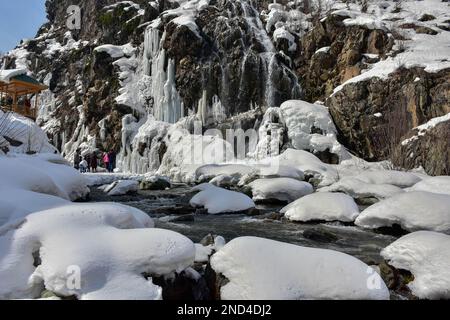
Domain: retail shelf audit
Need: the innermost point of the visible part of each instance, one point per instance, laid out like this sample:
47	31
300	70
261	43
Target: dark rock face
231	60
409	98
431	151
322	71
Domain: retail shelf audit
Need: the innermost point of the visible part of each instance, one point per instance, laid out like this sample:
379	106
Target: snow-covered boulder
306	162
325	206
17	203
280	171
304	121
397	178
439	184
279	189
217	200
413	211
109	247
155	183
362	190
121	187
262	269
43	173
27	133
213	170
426	255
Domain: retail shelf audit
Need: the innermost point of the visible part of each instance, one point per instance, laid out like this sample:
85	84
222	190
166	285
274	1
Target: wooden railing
22	110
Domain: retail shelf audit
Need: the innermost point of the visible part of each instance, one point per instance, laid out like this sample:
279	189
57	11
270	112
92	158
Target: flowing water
166	205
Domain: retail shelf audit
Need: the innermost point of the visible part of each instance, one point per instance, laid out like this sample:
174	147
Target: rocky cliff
226	62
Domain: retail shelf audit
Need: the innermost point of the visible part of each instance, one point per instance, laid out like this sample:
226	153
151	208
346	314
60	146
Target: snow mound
121	187
323	206
21	129
360	190
307	163
413	211
397	178
113	246
214	170
310	127
281	189
261	269
217	200
43	173
426	255
267	171
439	184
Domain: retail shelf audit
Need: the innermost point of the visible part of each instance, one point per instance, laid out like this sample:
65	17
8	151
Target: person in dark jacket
94	162
112	161
77	159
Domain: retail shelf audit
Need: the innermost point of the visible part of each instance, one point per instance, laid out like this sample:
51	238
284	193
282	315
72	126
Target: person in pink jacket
106	160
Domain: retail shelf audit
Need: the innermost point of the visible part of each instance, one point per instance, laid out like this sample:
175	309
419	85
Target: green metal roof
27	79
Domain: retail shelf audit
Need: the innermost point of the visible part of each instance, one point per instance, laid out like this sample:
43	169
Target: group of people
90	162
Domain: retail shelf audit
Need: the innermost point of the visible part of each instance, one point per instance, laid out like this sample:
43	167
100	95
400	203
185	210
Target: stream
170	210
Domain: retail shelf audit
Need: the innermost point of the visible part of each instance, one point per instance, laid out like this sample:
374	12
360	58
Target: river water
164	206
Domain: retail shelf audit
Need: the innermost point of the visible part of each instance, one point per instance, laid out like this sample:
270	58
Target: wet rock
155	183
174	210
183	287
319	235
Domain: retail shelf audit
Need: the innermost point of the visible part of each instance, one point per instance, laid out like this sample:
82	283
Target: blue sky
19	19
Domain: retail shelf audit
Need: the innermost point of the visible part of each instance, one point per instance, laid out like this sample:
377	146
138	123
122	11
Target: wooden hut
17	90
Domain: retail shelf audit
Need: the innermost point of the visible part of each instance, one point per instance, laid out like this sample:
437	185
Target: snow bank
44	174
281	189
397	178
111	245
21	129
427	256
261	269
413	211
217	200
439	184
360	190
322	206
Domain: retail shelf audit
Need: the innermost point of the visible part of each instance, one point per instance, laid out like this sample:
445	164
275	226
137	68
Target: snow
112	245
217	200
440	184
22	129
307	163
413	211
6	75
117	51
301	117
43	173
426	255
262	269
324	206
359	189
281	189
121	187
430	52
397	178
214	170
